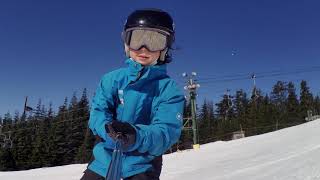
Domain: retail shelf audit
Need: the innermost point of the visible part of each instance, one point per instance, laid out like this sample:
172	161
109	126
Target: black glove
123	132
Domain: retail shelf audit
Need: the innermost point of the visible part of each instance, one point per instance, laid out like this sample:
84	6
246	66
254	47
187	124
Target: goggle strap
151	29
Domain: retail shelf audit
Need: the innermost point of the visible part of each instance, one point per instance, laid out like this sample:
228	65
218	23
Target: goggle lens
152	40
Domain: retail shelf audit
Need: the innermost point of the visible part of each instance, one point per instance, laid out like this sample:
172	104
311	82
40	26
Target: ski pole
115	167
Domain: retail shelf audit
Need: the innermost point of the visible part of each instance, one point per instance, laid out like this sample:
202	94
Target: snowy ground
288	154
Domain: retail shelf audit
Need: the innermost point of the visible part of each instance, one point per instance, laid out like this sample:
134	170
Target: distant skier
140	105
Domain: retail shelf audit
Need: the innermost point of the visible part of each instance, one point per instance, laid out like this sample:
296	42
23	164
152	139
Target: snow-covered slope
288	154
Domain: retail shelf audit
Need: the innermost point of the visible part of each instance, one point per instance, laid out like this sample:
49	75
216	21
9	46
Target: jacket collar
136	70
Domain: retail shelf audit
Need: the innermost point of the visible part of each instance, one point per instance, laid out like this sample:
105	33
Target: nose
143	49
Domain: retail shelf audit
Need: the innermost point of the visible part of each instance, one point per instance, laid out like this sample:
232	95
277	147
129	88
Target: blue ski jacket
150	100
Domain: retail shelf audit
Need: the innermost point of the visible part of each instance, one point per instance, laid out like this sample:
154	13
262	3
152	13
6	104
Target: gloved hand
123	132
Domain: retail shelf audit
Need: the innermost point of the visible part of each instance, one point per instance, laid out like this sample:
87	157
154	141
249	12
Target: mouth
143	56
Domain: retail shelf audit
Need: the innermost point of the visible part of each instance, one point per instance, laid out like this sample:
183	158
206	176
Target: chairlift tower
192	88
254	91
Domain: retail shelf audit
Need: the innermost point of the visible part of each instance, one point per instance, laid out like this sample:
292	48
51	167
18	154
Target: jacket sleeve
103	107
166	125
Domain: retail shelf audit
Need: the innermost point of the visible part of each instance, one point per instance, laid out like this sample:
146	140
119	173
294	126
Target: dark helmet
151	18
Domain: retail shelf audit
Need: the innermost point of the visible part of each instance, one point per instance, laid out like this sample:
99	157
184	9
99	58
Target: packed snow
288	154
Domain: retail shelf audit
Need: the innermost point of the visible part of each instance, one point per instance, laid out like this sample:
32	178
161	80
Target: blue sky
50	49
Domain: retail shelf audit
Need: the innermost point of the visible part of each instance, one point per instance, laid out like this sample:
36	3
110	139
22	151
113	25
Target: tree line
252	114
44	138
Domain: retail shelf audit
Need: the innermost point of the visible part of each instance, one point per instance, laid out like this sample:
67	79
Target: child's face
144	56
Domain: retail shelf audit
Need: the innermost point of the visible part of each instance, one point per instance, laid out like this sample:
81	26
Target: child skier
140	105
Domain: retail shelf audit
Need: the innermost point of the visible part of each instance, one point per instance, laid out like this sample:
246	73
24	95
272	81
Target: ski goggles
153	40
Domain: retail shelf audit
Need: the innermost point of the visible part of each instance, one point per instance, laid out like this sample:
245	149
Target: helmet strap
126	50
163	54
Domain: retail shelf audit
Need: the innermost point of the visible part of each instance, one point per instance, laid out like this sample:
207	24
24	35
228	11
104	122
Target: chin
143	62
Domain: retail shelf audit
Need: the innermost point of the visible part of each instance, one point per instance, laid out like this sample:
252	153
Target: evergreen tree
32	131
254	113
278	98
7	122
22	143
306	99
42	149
226	117
74	133
85	151
83	136
211	117
204	123
240	107
38	138
15	129
60	134
6	131
267	116
51	145
316	105
16	117
224	108
7	162
292	105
